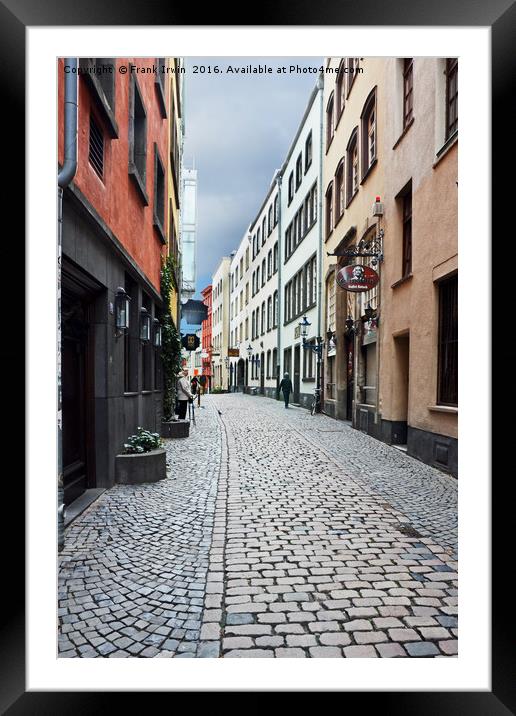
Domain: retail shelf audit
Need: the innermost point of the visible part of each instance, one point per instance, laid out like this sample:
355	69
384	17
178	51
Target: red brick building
113	236
206	336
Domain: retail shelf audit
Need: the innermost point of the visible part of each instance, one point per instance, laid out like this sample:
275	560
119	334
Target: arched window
339	191
268	364
275	309
340	89
263	319
269	313
329	209
352	166
263	273
368	119
330	126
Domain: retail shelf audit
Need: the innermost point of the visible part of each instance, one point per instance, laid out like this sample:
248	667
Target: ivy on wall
170	339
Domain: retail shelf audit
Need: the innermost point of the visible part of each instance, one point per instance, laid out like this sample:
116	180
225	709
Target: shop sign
234	352
357	278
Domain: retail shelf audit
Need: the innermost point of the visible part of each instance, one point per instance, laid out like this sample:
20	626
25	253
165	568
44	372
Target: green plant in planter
143	441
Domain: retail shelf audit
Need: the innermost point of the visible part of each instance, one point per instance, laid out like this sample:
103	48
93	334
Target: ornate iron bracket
372	247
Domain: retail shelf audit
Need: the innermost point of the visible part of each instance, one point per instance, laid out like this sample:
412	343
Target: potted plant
143	459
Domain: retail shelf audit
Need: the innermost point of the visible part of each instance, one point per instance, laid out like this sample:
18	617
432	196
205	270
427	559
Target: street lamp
304	325
249	350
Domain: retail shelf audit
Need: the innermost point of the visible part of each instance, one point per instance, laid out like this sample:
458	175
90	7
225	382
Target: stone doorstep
78	506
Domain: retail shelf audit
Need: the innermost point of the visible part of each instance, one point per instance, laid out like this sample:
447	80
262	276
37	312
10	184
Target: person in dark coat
286	387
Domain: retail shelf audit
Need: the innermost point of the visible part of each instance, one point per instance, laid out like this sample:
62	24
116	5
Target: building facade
188	233
300	252
114	231
390	171
220	324
175	81
206	337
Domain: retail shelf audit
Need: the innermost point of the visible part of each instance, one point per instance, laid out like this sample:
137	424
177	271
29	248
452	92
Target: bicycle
316	402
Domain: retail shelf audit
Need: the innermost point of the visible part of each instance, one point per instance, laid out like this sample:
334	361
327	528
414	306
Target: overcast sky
238	130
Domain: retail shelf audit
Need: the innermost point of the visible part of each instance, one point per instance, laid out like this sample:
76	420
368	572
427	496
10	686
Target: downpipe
64	177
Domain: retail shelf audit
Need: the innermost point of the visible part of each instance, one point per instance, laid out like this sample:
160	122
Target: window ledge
328	145
159	229
406	278
443	151
351	199
147	392
450	409
405	130
369	169
130	394
138	182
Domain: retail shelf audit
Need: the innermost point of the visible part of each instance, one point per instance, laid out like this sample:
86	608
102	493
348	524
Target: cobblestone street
275	534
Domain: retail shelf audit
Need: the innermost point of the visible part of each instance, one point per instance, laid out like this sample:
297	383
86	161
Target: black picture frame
15	16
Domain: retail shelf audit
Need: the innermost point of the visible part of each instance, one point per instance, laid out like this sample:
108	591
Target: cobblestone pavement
285	535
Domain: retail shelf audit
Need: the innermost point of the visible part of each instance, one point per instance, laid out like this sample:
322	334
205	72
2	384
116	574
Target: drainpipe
64	177
320	85
280	254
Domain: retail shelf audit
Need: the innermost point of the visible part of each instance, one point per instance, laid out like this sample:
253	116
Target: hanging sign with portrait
357	278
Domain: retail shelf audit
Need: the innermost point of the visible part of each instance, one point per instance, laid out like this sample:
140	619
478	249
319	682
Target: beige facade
394	376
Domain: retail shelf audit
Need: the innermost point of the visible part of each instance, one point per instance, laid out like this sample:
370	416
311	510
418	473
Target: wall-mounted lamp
122	300
249	350
145	325
157	333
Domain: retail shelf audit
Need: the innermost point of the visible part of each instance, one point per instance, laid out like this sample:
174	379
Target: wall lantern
249	350
304	325
349	324
369	313
145	325
122	309
157	333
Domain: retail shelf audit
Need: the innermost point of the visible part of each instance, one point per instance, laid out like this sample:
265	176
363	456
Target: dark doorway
240	375
74	370
297	368
262	374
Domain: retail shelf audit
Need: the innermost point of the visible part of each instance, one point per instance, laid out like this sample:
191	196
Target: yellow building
174	79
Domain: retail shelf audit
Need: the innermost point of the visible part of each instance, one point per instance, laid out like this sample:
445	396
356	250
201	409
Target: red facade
206	331
115	197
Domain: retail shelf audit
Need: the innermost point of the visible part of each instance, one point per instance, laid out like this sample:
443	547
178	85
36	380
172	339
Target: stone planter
134	469
175	428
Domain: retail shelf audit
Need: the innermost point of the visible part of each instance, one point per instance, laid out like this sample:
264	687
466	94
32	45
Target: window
276	209
241	267
352	167
313	203
291	187
275	309
263	319
329	210
159	195
105	75
274	362
408	90
406	201
247	258
257	278
313	292
329	121
331	303
268	364
288	242
246	329
100	73
269	264
264	237
452	96
299	171
96	150
270	225
352	67
308	362
263	273
369	133
269	313
137	140
275	258
340	90
247	293
308	152
339	192
447	382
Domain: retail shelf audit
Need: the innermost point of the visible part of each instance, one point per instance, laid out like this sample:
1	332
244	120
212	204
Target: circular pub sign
357	278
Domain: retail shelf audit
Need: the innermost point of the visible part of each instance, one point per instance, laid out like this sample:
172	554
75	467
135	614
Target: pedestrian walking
286	387
183	393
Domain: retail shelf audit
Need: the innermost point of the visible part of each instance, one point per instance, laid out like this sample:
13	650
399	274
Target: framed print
256	281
